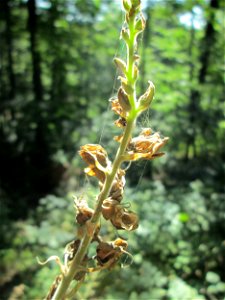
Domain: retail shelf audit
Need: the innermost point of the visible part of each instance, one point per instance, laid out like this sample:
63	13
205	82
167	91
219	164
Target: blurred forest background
56	76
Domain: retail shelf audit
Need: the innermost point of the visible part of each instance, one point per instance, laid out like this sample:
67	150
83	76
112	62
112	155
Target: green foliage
178	250
171	254
170	257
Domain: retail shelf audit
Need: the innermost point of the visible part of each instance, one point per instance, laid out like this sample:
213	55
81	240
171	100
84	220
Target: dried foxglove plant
110	175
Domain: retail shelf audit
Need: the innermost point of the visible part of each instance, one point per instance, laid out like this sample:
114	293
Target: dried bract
123	100
124	219
121	123
108	253
121	65
97	159
109	208
146	146
119	110
84	213
113	210
145	100
117	188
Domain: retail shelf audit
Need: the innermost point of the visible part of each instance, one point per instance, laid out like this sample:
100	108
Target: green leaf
183	217
212	277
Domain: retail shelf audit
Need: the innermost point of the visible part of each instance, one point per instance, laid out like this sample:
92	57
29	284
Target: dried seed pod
96	157
91	151
123	100
145	146
84	216
117	108
125	220
121	65
108	208
121	123
145	100
116	192
84	213
109	253
130	220
105	252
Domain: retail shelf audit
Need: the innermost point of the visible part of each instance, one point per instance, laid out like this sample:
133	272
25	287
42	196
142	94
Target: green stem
130	65
130	50
74	267
60	293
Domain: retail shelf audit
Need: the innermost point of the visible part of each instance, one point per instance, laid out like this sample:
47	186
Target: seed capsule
121	65
123	100
146	99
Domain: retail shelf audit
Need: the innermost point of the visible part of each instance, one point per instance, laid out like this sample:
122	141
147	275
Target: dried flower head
146	146
117	108
124	219
119	216
109	208
108	253
97	159
84	213
117	188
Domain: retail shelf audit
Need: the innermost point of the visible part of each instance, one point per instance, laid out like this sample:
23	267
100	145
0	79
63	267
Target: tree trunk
32	28
207	42
9	47
40	151
193	98
206	46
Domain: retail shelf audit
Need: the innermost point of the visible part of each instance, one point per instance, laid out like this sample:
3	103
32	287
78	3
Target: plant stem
61	291
74	267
